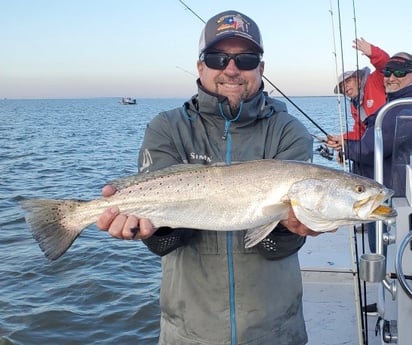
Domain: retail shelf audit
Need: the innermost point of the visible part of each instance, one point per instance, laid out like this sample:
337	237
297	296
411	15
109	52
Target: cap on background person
344	76
401	63
230	24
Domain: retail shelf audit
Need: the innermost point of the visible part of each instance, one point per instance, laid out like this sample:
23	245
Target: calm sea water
102	291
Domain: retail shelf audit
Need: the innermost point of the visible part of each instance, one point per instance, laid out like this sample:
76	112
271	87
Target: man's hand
334	141
294	225
127	227
363	46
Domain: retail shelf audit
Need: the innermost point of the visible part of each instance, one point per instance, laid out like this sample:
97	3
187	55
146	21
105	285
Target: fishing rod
186	71
338	95
187	7
296	106
358	106
342	59
273	85
360	292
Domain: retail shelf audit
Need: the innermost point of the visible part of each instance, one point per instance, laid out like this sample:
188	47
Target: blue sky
142	48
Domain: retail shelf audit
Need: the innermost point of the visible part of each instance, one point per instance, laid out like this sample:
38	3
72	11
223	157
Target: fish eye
360	188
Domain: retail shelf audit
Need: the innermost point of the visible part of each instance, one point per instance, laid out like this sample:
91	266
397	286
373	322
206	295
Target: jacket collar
402	93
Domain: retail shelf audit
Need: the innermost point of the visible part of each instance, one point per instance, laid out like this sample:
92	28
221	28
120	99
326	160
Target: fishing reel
325	152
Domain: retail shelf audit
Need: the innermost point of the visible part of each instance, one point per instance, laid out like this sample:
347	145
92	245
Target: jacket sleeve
362	150
358	126
165	240
280	243
378	58
158	152
289	140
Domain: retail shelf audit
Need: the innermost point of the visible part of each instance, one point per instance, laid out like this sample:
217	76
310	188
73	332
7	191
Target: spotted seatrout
252	196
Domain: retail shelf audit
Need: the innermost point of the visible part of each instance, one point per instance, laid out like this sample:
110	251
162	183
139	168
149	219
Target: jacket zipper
229	247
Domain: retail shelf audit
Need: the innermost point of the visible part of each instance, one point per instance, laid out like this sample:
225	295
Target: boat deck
329	290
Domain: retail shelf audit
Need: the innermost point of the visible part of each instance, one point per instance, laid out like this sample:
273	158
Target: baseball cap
230	24
397	62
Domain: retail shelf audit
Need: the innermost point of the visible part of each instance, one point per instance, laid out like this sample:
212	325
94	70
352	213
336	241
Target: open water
102	291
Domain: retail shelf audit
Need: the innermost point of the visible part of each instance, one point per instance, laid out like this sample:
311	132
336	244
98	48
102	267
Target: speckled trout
252	196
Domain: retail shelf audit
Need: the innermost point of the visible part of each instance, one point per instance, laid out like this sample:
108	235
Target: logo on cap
232	22
229	24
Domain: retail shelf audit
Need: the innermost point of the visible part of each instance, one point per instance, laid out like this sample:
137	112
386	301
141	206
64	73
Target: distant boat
128	101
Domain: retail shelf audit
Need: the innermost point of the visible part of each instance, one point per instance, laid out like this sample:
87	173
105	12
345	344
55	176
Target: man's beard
234	104
234	108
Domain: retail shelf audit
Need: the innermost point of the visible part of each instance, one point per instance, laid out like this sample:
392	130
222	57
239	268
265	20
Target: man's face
393	84
231	82
350	87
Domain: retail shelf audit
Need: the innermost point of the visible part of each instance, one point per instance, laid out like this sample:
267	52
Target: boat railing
379	158
395	318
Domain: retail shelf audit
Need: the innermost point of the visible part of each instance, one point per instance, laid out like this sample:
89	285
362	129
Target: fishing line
273	85
360	295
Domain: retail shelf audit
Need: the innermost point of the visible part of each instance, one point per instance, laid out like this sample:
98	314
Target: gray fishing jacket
214	291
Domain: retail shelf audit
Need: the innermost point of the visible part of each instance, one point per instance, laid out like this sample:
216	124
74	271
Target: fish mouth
383	211
372	207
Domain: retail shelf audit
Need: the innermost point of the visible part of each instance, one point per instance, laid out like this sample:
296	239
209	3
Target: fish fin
45	218
278	210
306	217
255	235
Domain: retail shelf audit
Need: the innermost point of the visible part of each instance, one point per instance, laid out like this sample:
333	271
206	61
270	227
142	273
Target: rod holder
372	267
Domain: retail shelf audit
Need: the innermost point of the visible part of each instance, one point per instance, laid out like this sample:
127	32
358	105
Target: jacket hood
362	74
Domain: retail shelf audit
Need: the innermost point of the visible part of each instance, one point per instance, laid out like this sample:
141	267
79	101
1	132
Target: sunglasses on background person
219	60
397	73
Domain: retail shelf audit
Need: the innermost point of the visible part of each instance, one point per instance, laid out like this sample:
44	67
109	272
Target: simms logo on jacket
199	157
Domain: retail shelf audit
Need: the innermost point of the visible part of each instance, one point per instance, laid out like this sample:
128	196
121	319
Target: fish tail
49	222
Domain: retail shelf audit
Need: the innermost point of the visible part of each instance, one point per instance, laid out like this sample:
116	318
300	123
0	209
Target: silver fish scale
212	196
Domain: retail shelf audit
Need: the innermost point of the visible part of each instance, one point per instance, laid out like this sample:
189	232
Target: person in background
398	84
365	90
213	290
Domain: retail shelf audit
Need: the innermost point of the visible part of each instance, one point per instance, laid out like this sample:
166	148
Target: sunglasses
397	73
243	61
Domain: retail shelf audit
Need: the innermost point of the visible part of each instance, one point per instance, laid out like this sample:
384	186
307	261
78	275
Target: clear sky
147	48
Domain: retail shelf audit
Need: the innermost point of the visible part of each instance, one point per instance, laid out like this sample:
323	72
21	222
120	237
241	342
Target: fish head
324	204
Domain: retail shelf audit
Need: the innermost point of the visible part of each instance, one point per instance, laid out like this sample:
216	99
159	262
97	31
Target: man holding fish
226	195
214	291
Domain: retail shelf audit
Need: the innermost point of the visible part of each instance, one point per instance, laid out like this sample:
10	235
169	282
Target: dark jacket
362	153
214	291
